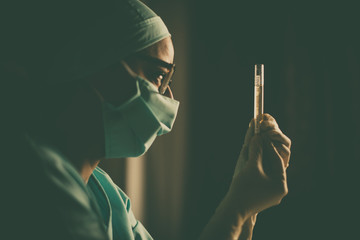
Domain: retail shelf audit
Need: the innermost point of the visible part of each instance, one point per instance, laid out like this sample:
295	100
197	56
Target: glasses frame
170	66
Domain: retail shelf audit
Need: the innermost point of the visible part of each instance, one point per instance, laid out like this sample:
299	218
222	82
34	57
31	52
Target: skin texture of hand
248	227
259	181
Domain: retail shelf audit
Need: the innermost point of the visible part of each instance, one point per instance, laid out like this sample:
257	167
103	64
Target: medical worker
107	95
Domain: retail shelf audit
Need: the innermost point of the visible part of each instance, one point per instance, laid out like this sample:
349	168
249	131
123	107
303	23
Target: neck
87	169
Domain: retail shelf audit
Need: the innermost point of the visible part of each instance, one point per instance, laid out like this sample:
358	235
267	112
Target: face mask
131	128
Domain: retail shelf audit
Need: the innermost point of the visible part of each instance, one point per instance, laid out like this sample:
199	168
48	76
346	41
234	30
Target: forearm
248	228
226	223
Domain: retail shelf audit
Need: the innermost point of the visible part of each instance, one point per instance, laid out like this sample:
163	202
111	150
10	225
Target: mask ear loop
98	93
128	69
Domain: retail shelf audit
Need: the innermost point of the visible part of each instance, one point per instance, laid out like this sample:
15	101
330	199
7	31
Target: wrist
227	222
237	205
233	210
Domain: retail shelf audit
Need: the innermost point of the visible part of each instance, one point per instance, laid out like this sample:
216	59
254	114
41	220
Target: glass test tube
258	95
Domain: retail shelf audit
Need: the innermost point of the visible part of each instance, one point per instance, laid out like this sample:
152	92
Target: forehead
163	50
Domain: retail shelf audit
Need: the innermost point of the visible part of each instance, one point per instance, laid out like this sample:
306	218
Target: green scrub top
45	197
115	208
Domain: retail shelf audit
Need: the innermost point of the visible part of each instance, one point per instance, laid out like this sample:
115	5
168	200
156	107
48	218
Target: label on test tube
258	95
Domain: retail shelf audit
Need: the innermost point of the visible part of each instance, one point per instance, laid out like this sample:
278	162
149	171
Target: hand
259	181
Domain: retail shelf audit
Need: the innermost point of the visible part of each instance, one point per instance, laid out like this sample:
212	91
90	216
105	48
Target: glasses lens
166	81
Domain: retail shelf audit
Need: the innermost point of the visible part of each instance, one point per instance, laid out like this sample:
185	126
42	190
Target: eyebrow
157	61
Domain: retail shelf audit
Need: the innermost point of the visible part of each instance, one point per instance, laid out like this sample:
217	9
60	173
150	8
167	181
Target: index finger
278	136
268	123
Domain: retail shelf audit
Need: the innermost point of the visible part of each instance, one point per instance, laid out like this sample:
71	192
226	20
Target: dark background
311	54
312	62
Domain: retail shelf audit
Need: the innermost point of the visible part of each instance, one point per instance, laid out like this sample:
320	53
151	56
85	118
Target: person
107	95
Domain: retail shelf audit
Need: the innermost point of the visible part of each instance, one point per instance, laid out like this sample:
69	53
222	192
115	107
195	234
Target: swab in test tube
258	95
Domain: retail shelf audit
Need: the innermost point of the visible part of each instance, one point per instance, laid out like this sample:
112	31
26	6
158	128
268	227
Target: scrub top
44	196
115	208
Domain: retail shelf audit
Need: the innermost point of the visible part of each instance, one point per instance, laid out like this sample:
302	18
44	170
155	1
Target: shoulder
48	195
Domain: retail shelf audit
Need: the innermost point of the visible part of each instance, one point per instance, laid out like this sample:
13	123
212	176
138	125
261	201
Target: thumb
256	151
243	157
249	132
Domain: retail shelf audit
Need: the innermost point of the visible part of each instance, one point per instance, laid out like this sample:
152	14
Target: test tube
258	95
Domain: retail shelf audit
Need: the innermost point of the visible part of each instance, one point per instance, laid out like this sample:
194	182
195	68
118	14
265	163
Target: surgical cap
130	27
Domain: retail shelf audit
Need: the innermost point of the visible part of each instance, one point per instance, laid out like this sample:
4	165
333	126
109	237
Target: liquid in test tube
258	95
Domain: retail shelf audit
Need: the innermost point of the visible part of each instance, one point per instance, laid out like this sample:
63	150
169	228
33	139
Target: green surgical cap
130	27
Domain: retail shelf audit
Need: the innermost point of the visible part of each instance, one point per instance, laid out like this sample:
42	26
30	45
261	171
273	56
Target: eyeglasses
166	81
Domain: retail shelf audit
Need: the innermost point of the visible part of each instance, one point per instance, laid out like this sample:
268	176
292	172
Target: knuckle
289	141
267	116
273	133
285	150
281	188
285	190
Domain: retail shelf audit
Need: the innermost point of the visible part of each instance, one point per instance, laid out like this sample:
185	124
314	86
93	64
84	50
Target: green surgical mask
131	128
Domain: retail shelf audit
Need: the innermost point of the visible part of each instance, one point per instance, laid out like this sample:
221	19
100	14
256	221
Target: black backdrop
311	56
